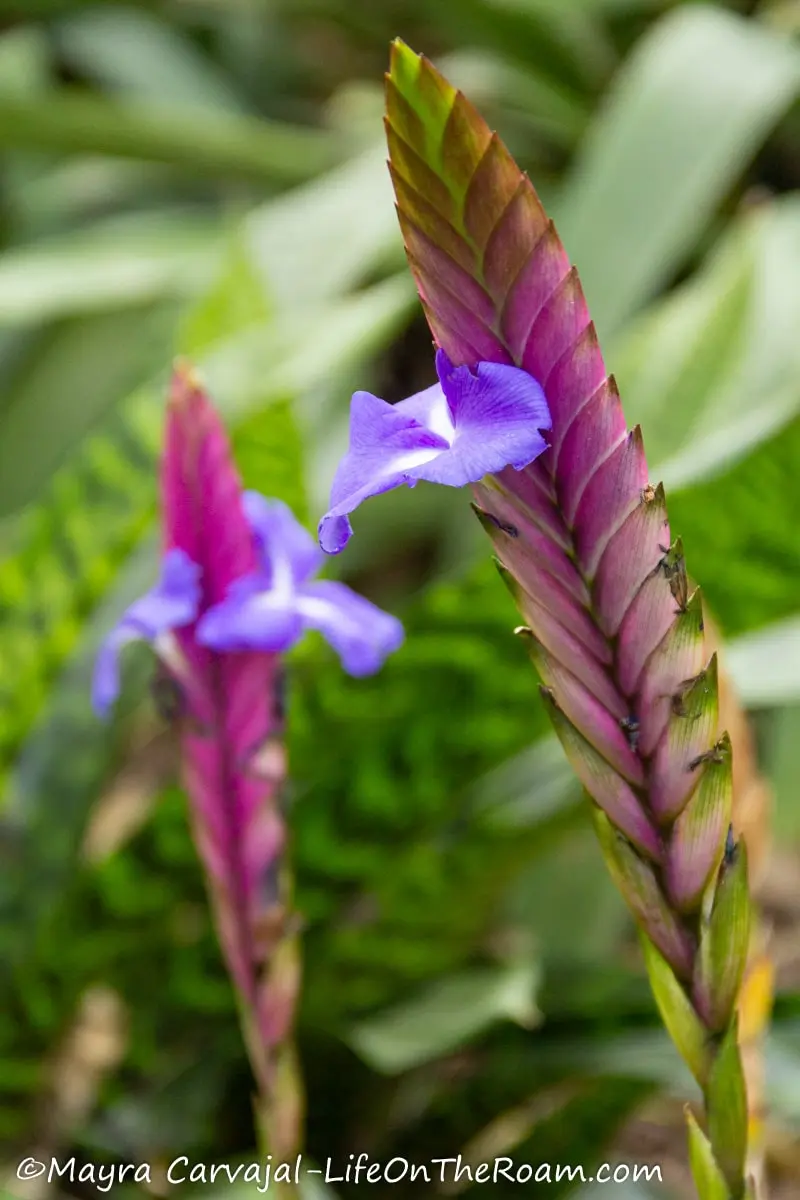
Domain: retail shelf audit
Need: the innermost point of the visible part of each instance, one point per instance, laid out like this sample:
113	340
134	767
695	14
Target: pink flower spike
232	706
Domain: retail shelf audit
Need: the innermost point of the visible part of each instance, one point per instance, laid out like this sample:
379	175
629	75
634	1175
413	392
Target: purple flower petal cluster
173	602
469	424
272	608
268	609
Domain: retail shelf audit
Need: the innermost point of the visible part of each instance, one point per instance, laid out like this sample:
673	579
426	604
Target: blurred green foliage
206	178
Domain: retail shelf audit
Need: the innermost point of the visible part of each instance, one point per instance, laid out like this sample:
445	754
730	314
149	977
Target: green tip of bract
418	82
497	286
726	1101
724	943
683	1025
708	1179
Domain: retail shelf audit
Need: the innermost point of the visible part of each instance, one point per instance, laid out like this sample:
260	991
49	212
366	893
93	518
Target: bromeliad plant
236	591
525	412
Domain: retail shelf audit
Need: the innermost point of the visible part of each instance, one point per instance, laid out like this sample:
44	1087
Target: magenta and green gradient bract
584	544
232	752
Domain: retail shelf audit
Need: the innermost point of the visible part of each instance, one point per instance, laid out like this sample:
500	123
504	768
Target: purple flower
467	425
173	602
272	608
268	609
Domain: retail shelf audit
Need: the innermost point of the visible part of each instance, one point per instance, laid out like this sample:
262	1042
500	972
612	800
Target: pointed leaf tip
404	63
708	1179
727	1110
416	80
683	1025
724	943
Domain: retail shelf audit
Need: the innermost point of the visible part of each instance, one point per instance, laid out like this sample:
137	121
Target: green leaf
446	1016
740	533
531	788
565	898
677	1013
132	52
689	368
297	351
66	386
66	552
326	236
24	60
119	263
765	664
239	147
708	1179
671	363
686	114
236	300
564	45
528	106
726	1104
781	759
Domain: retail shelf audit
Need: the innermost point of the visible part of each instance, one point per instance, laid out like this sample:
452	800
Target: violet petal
360	632
469	425
173	602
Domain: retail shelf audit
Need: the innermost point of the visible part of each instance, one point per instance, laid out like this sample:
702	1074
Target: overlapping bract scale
582	536
232	756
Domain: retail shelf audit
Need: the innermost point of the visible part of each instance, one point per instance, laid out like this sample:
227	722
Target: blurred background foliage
206	177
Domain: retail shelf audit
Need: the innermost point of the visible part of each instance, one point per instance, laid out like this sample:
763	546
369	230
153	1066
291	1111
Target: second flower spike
273	606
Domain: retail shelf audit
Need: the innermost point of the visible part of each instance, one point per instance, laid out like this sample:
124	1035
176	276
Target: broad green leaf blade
781	758
687	113
141	55
742	529
449	1014
25	65
672	363
539	109
690	367
765	664
563	44
230	146
119	263
328	235
97	359
534	787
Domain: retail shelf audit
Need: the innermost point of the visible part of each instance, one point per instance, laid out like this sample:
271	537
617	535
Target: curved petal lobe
251	618
280	536
360	633
173	602
469	425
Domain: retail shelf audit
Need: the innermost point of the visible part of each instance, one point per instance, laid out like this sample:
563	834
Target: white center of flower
438	420
282	587
321	611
